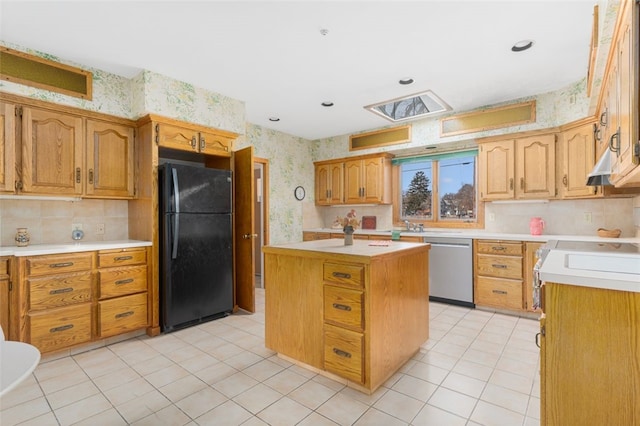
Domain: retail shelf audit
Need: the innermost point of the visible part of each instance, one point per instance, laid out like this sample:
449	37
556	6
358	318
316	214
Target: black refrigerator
196	259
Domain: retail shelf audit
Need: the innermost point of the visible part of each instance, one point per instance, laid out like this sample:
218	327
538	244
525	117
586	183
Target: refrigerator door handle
174	239
176	190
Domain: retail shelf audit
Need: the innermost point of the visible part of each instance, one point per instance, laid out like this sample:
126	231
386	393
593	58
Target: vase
348	235
22	237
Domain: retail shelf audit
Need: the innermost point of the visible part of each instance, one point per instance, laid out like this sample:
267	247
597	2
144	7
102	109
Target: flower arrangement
350	219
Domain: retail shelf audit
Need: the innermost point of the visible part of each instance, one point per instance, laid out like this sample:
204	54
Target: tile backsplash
50	221
566	217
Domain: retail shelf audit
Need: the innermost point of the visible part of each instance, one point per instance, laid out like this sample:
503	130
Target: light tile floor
477	368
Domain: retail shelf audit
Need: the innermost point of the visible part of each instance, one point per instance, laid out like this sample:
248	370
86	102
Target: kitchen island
354	313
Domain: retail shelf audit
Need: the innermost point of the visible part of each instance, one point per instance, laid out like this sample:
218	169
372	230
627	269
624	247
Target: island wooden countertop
363	249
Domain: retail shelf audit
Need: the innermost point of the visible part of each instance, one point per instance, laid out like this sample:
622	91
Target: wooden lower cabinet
63	300
360	317
5	280
498	279
589	357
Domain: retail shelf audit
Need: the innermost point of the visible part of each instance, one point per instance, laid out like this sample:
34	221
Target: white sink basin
603	263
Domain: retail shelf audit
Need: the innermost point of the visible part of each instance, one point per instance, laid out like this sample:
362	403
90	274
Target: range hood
601	171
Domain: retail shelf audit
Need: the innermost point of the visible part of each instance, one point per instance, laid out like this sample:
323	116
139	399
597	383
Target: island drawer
122	314
345	274
343	306
343	353
123	257
499	292
500	266
122	281
61	327
59	290
59	263
500	247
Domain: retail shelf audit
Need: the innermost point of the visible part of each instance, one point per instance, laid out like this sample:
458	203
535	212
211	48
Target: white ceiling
272	56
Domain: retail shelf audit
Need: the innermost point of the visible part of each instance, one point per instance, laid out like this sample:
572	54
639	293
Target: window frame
436	221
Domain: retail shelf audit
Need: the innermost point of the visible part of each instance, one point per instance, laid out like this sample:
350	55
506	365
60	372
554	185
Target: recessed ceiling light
274	119
522	45
327	104
405	81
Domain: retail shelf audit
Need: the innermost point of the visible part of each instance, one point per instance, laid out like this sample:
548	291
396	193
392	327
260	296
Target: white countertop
482	234
607	270
37	249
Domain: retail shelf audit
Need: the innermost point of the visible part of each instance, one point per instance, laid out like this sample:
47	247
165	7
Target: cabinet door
496	170
626	81
214	144
536	167
4	297
372	180
7	147
52	151
176	137
578	158
110	160
353	181
329	184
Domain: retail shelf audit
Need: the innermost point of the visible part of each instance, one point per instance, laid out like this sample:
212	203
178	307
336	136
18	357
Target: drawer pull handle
498	248
342	307
499	291
497	265
127	281
61	328
123	258
341	353
124	314
61	290
341	275
61	265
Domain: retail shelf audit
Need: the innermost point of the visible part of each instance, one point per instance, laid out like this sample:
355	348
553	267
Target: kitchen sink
603	263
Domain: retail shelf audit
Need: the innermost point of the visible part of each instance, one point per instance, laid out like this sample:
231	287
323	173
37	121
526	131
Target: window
440	189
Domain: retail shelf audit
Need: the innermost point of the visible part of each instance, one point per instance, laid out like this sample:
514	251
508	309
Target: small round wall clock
299	193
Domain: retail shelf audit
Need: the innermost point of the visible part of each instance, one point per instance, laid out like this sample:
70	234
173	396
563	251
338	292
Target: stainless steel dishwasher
451	270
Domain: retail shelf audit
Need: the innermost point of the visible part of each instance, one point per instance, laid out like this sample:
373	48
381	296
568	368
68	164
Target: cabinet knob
564	180
521	183
61	328
193	142
616	136
203	143
341	353
78	172
91	176
511	183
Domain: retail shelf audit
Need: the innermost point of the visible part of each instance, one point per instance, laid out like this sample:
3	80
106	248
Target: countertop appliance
196	259
451	270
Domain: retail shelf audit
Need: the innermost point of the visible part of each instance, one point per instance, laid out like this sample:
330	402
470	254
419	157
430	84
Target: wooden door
244	232
496	170
215	144
372	175
7	147
578	159
536	167
52	152
110	160
175	137
353	181
336	183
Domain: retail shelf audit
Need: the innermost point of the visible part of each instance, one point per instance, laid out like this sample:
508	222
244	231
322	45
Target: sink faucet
406	222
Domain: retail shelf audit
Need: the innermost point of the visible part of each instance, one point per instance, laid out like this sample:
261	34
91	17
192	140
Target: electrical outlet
76	227
492	217
587	217
100	229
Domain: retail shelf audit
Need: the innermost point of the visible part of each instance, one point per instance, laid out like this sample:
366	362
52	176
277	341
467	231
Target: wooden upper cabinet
7	147
52	152
626	137
577	151
186	139
535	167
174	137
367	180
329	183
496	170
110	160
215	144
519	168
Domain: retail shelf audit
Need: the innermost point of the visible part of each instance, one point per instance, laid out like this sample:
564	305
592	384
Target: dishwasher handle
440	244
